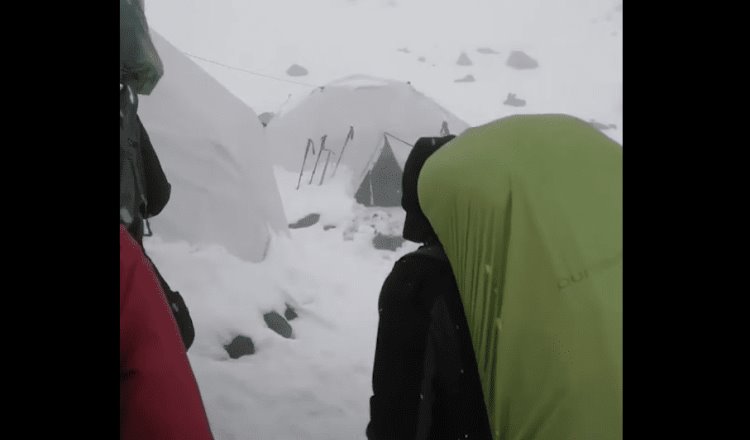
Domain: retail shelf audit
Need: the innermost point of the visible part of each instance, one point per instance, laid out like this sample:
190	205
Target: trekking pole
310	144
444	129
320	153
328	158
349	136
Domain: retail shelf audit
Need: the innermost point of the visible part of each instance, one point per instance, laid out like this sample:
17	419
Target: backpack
144	191
529	210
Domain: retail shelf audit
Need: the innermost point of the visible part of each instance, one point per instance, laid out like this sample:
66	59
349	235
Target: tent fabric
381	185
215	155
354	114
529	210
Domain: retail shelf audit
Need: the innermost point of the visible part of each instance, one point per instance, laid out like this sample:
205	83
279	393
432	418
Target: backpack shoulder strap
132	185
434	251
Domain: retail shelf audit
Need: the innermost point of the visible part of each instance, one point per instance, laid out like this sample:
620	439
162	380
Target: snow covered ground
316	384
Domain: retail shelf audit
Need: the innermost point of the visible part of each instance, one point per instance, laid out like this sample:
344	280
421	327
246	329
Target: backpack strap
133	202
434	251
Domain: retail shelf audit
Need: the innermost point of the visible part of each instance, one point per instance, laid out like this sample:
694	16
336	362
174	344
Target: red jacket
159	396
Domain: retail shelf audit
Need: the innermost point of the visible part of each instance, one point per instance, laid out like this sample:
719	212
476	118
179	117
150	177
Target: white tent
215	155
356	122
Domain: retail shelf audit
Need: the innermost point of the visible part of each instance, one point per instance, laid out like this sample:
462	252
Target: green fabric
140	65
529	210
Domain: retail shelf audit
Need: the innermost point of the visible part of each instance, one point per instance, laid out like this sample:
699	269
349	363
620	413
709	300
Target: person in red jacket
159	396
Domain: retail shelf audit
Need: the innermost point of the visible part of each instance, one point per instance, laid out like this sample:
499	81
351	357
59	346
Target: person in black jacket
425	379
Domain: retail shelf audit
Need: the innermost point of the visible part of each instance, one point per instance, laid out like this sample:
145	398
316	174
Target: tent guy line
249	71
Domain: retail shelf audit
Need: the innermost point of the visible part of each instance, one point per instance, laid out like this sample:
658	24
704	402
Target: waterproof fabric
140	65
425	382
529	211
159	396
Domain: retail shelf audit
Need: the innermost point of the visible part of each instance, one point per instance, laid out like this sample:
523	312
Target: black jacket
425	379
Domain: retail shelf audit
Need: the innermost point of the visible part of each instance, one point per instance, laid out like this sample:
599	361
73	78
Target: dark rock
290	313
296	70
601	126
305	221
464	60
487	50
467	78
389	242
265	118
240	346
277	323
519	60
513	101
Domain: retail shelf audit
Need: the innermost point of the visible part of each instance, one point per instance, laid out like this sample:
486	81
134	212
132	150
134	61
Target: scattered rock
290	313
277	323
487	50
265	118
240	346
519	60
513	101
327	227
602	126
467	78
305	222
296	70
389	242
464	60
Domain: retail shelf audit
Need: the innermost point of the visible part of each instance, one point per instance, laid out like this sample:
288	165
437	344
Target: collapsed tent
365	124
529	210
214	154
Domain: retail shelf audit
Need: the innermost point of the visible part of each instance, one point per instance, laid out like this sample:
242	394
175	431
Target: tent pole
444	131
